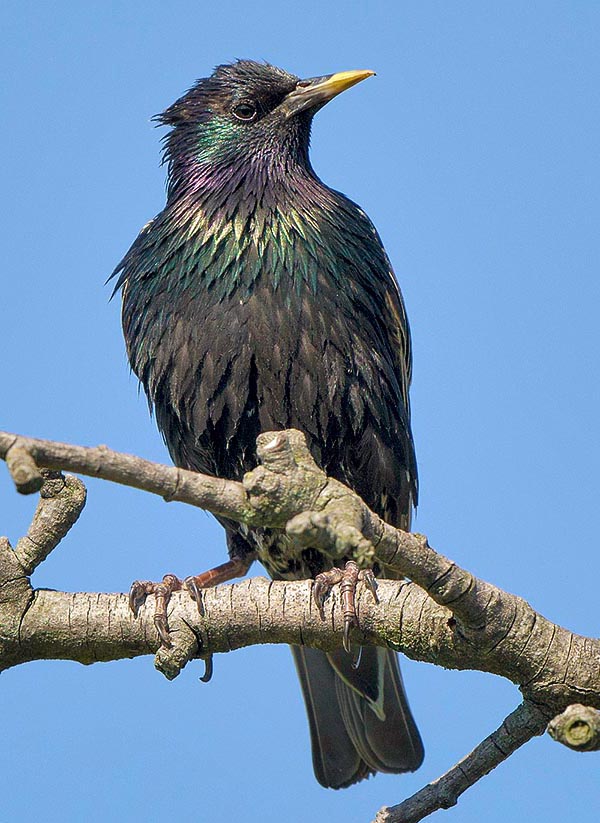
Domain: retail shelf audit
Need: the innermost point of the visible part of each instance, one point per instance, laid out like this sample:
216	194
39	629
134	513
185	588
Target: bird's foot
140	589
348	579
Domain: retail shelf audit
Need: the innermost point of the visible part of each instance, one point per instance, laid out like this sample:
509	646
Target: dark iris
245	111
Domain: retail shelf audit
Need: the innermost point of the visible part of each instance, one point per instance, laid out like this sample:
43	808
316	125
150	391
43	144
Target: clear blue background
475	151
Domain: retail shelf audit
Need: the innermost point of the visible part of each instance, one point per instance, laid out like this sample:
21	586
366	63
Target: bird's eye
245	111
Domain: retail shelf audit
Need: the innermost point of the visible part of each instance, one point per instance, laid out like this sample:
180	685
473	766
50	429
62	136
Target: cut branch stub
578	728
23	470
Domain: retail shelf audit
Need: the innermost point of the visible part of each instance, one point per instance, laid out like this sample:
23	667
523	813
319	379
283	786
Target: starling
260	299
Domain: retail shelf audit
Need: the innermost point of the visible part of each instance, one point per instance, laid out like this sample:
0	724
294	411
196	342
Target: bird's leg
140	589
236	567
348	578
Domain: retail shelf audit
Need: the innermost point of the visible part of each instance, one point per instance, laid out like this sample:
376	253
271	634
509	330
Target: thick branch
486	629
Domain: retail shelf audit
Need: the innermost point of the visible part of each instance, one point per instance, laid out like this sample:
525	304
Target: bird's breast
263	324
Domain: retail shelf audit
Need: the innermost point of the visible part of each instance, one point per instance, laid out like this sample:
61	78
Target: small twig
578	727
518	728
23	469
99	461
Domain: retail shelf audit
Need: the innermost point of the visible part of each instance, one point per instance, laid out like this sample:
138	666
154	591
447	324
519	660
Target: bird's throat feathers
242	207
214	156
236	226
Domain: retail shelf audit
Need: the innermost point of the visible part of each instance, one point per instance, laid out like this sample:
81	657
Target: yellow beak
336	83
316	91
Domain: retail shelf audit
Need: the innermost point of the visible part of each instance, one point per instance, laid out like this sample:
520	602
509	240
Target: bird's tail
360	721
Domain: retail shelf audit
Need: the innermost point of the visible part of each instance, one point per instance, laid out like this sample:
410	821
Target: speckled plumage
260	299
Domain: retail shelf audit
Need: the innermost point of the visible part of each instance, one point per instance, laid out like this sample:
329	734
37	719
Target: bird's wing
399	333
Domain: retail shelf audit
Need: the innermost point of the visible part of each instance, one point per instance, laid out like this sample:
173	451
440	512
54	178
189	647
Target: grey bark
444	615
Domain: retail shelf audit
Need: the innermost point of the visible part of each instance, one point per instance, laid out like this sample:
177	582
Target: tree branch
444	616
518	728
61	502
23	470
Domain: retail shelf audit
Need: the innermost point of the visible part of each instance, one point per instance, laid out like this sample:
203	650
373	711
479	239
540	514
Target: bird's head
246	116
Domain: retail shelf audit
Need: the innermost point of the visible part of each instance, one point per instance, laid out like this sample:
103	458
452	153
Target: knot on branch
286	482
289	491
578	728
184	647
334	532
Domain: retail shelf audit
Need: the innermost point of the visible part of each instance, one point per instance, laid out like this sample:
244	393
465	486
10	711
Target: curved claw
370	582
319	593
355	662
323	584
348	623
355	652
162	627
194	590
137	596
208	669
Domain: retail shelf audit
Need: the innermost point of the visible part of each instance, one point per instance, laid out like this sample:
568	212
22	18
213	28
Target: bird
260	299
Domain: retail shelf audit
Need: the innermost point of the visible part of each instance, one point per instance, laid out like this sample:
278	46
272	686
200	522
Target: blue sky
474	151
